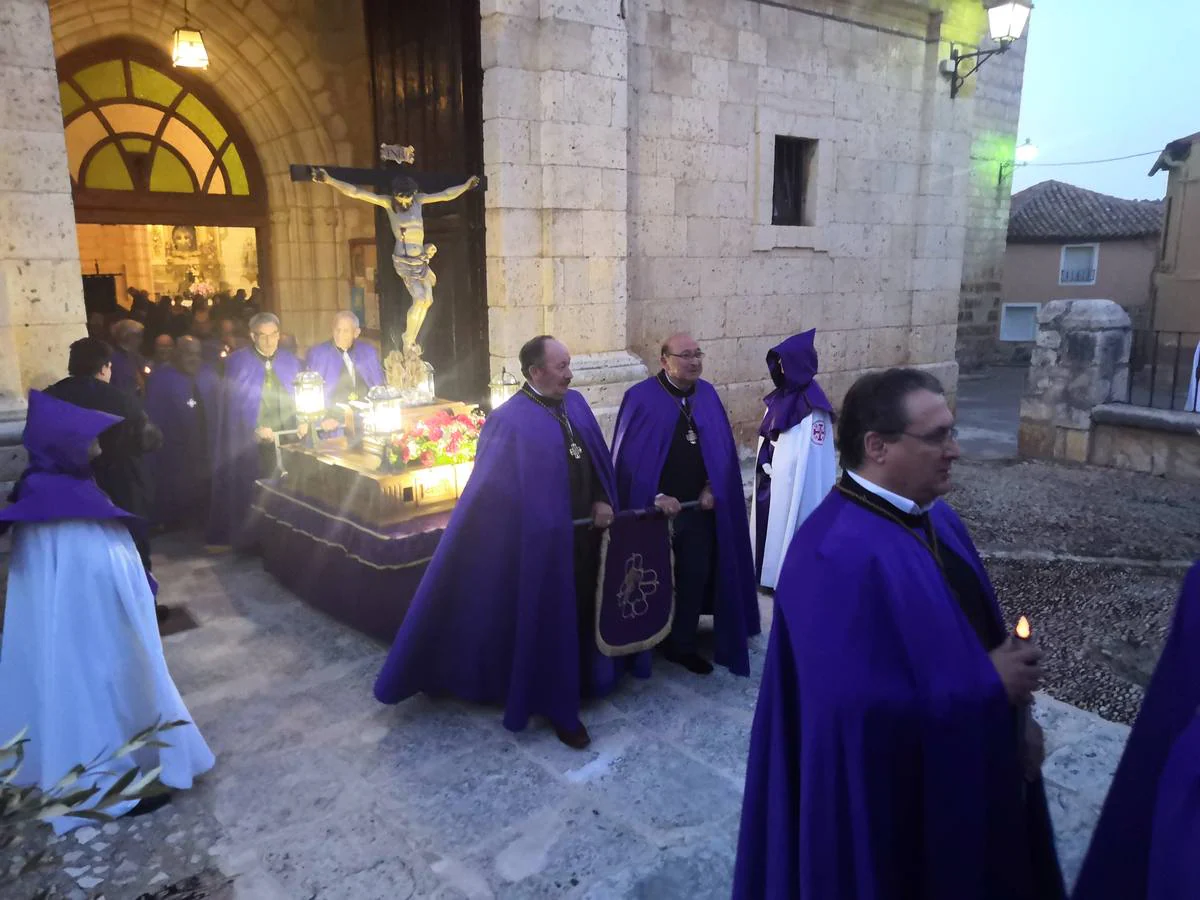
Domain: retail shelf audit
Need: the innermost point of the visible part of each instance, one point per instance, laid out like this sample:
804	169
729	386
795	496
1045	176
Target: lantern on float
426	391
383	417
503	388
308	392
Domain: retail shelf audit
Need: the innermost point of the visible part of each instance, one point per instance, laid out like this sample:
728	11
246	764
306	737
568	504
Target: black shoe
149	805
691	661
575	738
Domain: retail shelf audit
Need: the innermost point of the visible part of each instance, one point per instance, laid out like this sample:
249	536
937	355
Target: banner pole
637	513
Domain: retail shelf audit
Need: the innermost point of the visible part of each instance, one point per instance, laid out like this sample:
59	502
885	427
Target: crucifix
402	194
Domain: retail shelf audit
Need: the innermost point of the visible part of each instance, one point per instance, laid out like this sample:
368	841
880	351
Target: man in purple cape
505	613
1147	842
796	465
349	366
256	403
892	753
182	399
674	445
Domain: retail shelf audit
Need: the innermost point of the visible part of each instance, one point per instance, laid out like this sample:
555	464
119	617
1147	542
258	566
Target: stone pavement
320	792
989	412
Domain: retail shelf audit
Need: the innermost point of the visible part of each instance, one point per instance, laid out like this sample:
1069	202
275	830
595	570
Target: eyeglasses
699	354
938	438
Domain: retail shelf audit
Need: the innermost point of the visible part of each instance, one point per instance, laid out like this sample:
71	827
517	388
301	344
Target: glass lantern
383	418
309	390
504	387
1007	19
426	391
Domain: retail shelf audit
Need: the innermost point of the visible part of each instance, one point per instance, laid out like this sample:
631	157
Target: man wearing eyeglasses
674	445
893	753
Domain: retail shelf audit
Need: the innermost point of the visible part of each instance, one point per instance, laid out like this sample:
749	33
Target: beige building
1068	243
1177	276
738	168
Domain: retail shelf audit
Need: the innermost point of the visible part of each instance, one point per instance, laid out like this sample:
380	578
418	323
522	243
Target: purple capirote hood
58	434
58	484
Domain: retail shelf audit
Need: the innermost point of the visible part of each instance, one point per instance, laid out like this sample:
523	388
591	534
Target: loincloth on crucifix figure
411	256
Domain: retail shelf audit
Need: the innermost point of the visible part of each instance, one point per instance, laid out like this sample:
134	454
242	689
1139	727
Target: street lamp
1006	23
1023	156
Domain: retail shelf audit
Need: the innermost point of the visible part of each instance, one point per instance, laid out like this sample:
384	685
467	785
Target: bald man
674	445
349	366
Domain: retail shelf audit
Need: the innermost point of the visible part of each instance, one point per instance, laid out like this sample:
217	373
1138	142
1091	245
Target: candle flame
1023	629
146	370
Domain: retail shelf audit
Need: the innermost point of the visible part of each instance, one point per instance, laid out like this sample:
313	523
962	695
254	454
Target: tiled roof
1053	211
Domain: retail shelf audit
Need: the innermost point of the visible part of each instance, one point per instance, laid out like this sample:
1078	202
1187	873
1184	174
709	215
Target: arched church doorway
169	194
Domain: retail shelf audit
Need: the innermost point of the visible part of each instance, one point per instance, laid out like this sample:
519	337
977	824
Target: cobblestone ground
319	792
1094	557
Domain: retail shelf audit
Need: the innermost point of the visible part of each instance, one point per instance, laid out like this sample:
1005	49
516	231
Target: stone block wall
41	294
555	152
877	267
1081	361
994	97
1153	441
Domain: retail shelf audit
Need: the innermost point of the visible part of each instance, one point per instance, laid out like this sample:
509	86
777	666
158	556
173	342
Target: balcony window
1079	264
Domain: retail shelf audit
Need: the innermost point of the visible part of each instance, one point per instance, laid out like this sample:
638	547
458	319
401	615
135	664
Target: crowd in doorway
144	335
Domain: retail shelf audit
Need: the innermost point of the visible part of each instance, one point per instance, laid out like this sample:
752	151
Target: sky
1108	78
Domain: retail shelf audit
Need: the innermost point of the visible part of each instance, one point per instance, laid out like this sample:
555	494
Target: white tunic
803	471
81	663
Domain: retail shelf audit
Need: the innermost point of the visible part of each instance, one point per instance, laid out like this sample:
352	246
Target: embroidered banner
635	597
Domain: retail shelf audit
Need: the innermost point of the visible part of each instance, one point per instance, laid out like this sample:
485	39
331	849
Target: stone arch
259	68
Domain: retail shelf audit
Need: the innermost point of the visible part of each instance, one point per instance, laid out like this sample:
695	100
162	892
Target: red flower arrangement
438	440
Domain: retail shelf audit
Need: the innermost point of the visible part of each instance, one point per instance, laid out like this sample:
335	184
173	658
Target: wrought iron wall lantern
1006	23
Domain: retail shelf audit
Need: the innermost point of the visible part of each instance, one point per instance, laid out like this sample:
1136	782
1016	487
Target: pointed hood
58	484
793	368
58	435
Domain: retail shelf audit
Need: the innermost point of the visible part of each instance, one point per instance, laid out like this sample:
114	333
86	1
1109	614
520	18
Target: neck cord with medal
931	544
574	449
692	433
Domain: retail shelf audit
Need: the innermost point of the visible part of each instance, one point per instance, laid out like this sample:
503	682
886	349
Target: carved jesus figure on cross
411	255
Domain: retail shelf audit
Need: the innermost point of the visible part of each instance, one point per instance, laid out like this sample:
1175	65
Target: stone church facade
741	169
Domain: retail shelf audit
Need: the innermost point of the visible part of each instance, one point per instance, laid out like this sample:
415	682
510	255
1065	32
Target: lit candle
146	370
1023	631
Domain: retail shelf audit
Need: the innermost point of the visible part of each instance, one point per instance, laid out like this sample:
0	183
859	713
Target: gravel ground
1101	623
1036	506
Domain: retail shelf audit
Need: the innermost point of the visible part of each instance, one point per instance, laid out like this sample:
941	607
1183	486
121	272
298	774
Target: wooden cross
380	180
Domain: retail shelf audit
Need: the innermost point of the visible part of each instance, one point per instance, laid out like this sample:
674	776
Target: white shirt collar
535	390
901	503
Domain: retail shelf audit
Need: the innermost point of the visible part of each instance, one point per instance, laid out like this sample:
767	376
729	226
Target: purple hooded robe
645	426
494	619
793	368
883	758
327	360
185	408
57	483
236	461
1152	811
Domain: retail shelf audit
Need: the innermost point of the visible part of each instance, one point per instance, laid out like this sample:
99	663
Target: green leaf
118	787
15	742
69	779
144	782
